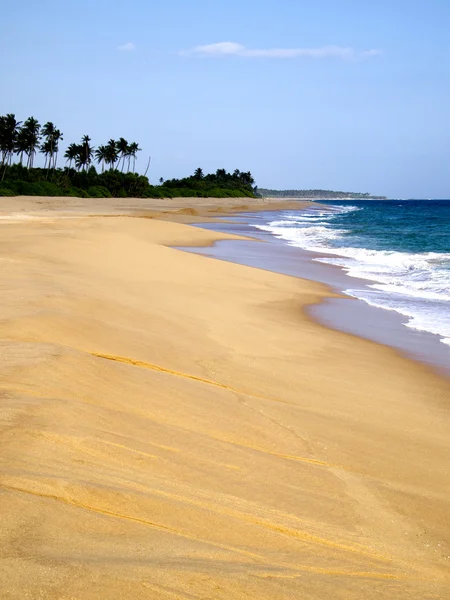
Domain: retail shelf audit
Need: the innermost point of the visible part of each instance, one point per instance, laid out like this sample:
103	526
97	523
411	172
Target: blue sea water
401	248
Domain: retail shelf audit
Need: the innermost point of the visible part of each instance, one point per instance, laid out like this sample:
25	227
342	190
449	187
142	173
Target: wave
429	316
311	230
416	285
416	275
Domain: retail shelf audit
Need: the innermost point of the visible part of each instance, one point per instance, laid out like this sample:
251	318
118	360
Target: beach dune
173	426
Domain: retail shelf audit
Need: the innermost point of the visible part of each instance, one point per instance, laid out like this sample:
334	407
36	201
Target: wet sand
174	426
344	313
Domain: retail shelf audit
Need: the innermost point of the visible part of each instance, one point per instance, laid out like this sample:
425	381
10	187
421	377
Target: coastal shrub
50	189
85	183
42	188
6	192
98	191
76	193
166	193
157	192
73	193
25	188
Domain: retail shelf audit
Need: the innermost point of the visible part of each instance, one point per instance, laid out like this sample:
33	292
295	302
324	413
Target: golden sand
174	427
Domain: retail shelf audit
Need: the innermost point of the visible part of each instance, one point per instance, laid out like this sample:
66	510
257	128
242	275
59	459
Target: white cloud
128	47
233	49
374	52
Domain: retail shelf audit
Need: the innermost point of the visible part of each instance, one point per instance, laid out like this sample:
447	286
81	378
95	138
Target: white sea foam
416	285
430	316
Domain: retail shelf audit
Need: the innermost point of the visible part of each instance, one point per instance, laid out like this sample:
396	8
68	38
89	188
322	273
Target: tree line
29	138
219	184
20	142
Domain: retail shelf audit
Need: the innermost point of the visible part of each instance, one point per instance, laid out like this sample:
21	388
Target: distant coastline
317	194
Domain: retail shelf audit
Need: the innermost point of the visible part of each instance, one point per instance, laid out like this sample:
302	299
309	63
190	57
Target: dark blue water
413	226
401	247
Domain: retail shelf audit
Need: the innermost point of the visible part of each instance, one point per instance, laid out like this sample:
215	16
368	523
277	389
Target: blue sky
351	95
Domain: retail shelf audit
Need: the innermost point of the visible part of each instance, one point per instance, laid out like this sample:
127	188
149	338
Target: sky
349	95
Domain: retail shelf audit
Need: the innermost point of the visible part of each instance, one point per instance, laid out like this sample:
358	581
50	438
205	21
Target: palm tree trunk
148	165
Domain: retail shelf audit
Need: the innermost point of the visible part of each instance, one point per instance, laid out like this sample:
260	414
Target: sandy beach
175	427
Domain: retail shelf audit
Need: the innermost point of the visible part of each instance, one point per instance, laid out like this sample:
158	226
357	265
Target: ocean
400	248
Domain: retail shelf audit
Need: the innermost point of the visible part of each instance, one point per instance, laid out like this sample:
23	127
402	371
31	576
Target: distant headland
317	194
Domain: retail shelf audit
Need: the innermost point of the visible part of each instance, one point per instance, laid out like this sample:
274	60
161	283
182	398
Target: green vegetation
218	185
19	144
316	194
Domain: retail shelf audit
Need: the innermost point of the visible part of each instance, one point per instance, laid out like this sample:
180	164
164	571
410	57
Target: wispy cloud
234	49
374	52
128	47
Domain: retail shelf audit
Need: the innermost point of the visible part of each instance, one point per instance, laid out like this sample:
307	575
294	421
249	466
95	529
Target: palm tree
71	153
122	149
47	150
32	136
52	137
48	132
198	174
129	156
9	129
112	154
21	143
246	178
56	137
101	156
85	151
133	149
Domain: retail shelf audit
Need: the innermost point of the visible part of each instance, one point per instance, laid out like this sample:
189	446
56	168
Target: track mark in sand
311	461
302	536
152	367
150	524
338	573
294	571
309	538
100	511
167	592
147	442
128	449
145	365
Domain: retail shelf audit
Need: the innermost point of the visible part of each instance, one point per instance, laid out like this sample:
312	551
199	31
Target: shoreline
174	425
341	311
